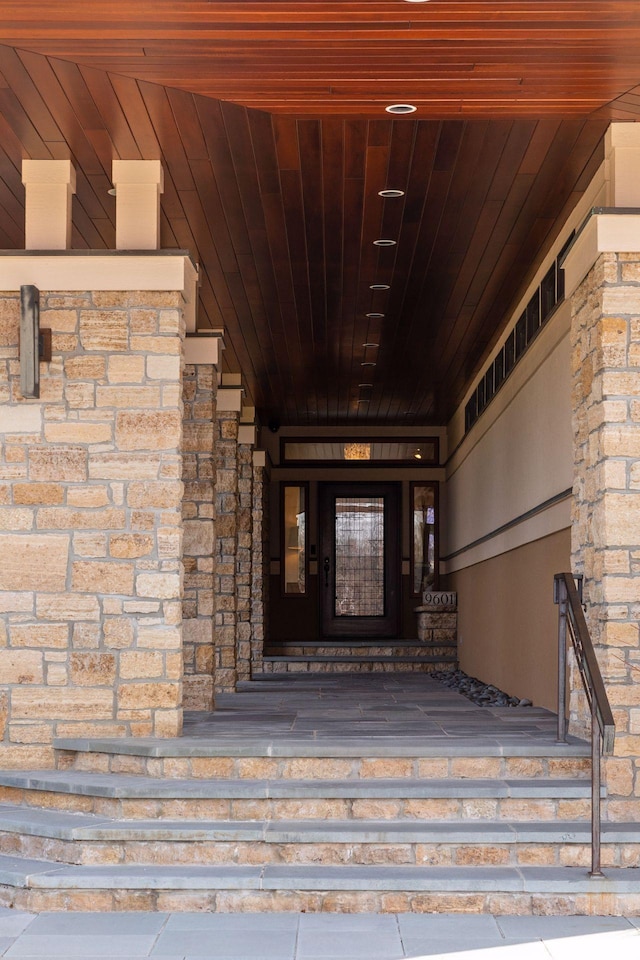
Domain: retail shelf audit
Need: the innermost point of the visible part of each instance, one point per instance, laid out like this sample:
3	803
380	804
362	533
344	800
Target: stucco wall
507	621
507	519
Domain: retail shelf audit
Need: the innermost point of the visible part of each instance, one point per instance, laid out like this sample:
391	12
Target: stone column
606	521
90	512
199	394
259	559
228	407
243	555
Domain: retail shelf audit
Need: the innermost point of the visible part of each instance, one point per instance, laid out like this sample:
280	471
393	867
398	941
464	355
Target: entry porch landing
348	714
333	793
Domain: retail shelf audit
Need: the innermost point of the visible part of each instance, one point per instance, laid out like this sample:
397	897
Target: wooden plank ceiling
269	118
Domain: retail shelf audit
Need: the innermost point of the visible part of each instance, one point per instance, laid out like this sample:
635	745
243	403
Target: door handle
326	567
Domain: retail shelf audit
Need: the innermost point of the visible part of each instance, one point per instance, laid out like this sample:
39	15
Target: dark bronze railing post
560	597
568	595
596	787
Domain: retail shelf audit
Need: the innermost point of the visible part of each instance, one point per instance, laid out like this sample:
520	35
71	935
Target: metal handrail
568	596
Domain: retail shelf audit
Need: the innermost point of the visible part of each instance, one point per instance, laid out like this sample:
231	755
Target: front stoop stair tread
354	658
78	826
35	874
373	745
124	786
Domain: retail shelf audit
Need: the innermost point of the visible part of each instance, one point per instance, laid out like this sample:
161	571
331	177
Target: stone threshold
125	786
373	745
38	874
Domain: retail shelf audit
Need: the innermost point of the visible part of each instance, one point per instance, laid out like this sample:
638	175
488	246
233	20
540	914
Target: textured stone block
15	518
139	666
125	369
61	703
198	537
64	464
92	669
161	494
67	606
23	418
157	430
9	322
40	635
162	585
148	695
94	576
129	397
163	367
130	545
21	666
159	637
81	432
34	562
61	518
84	368
104	330
36	494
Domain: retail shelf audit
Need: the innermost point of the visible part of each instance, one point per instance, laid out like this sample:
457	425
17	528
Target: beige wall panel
507	621
519	454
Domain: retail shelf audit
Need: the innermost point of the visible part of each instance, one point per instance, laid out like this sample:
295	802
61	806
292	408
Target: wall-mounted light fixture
35	344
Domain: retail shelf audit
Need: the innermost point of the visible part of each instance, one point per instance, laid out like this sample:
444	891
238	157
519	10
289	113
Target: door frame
386	626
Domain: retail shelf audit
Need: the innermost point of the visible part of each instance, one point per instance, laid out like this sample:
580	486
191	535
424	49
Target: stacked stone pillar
90	513
606	522
259	559
603	281
228	407
199	397
246	439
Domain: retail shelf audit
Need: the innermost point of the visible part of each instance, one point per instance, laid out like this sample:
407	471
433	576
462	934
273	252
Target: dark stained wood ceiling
269	118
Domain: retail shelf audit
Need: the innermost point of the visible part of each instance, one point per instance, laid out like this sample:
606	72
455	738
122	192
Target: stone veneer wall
606	521
199	394
225	548
90	524
243	561
259	565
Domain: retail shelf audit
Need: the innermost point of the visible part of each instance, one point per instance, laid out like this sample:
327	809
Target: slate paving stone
234	921
476	948
334	944
101	924
240	944
312	707
448	926
552	927
82	947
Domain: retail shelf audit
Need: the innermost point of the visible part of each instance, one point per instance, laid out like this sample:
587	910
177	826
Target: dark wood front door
359	559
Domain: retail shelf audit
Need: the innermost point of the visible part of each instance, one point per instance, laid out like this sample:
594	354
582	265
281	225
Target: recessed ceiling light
375	316
416	1
362	400
370	344
367	363
379	286
366	386
390	193
384	243
401	108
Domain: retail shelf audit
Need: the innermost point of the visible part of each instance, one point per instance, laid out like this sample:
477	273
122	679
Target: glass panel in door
359	560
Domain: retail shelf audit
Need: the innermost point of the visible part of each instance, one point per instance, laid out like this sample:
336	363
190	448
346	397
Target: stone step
358	663
139	797
37	885
89	839
315	761
358	648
